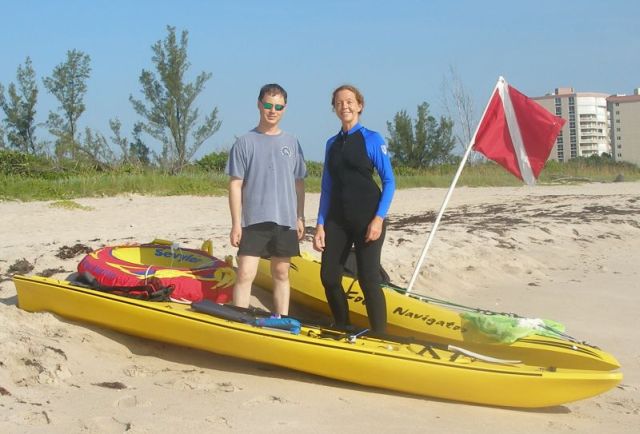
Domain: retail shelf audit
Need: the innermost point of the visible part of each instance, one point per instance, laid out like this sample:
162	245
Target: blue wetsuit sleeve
377	151
325	189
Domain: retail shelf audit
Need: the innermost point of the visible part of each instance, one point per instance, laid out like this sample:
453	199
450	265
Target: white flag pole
450	192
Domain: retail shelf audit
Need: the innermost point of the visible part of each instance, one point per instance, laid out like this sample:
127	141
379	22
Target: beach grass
210	183
153	183
70	204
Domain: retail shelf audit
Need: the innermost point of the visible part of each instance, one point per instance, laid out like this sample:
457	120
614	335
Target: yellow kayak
409	367
434	320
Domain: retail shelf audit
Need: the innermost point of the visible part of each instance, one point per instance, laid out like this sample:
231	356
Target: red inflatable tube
195	274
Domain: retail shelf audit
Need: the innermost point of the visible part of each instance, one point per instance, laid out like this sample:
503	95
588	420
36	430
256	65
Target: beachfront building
624	111
586	132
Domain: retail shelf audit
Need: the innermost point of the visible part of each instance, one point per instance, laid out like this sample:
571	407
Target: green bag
507	329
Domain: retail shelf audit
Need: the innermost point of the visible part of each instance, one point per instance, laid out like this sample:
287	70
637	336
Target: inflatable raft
435	320
406	366
192	275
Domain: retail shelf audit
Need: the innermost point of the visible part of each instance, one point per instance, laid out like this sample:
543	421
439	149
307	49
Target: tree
94	148
3	145
20	110
68	83
429	142
135	153
117	138
170	113
444	143
458	105
138	151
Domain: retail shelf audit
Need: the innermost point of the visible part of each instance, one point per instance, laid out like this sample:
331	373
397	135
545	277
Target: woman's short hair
355	90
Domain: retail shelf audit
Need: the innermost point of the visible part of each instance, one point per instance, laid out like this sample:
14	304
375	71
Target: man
266	199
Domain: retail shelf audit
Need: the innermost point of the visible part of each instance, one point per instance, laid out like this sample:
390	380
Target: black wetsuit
350	199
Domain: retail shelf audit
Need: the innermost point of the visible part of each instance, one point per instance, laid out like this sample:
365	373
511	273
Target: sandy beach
568	253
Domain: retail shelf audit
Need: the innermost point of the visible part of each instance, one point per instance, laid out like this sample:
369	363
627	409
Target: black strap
223	311
153	290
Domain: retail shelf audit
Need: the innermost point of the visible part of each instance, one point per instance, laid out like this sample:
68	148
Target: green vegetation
68	83
26	177
69	204
170	112
20	110
167	111
83	164
489	174
423	142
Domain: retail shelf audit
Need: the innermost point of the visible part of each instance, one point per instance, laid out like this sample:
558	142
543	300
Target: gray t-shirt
268	166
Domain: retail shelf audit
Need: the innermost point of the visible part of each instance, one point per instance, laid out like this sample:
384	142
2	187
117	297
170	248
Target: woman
352	209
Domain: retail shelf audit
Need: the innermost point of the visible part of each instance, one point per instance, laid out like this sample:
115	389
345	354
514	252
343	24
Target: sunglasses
269	106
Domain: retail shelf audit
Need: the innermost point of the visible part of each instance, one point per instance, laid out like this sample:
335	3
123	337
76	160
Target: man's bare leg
247	269
281	287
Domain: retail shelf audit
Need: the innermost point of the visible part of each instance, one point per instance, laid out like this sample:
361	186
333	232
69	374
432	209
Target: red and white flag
517	132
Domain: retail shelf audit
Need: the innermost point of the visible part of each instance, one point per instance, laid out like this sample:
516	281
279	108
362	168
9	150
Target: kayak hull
415	368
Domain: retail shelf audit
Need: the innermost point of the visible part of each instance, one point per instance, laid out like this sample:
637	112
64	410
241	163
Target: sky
398	52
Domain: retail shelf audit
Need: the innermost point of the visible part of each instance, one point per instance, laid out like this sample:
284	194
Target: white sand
568	253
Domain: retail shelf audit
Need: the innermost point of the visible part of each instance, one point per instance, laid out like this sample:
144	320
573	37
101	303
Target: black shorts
269	239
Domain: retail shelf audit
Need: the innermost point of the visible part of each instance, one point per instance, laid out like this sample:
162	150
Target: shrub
213	162
314	169
20	163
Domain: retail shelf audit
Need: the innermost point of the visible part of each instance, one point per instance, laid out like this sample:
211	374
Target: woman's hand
374	230
318	239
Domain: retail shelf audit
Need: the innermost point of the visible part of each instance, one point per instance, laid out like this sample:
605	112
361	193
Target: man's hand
300	228
235	236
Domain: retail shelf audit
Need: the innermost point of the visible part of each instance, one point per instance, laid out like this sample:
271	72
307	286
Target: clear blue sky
398	52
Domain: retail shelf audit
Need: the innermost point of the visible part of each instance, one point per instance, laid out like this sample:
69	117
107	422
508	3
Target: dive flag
516	132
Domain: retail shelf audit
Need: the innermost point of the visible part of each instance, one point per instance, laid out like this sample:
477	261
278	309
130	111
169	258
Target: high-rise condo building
587	129
624	111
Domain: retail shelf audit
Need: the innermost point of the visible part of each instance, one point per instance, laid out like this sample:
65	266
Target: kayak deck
409	315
